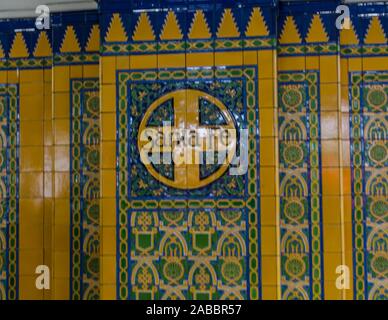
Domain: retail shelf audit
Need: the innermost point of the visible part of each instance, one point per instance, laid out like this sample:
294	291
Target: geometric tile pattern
369	116
9	191
300	186
85	189
178	245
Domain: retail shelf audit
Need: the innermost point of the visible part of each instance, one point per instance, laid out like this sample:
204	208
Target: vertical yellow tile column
269	189
61	179
332	184
346	66
31	203
48	167
108	67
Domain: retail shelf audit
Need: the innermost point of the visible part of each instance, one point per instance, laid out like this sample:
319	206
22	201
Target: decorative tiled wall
77	197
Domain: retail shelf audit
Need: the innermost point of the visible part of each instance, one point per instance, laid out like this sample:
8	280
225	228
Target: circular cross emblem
187	141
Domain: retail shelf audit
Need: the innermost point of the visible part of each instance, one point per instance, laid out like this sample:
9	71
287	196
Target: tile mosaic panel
85	189
9	191
369	146
300	186
174	243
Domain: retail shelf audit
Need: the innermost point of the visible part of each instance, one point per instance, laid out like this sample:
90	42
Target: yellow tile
61	289
270	293
108	292
29	260
76	72
291	63
267	154
347	181
375	63
62	131
330	153
203	59
344	99
329	97
91	71
13	76
122	63
62	158
108	212
28	290
3	76
345	153
31	88
331	291
31	107
266	64
31	185
329	69
331	262
330	181
61	79
62	185
108	269
332	238
267	122
268	211
47	107
268	241
61	239
108	240
331	206
48	75
61	105
108	155
62	212
31	133
267	181
61	264
48	133
108	69
30	235
344	71
144	62
48	159
312	63
269	270
250	58
31	159
48	185
31	75
108	128
108	96
171	60
228	58
355	64
108	183
266	93
329	125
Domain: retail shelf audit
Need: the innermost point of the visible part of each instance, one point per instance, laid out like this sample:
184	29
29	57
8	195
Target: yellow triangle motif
290	33
43	47
171	29
70	42
93	43
199	28
228	27
317	31
19	47
348	36
375	33
144	31
116	32
256	26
